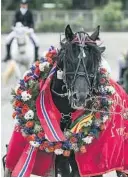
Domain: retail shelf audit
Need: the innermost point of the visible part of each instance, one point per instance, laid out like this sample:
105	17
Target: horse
72	88
22	52
78	81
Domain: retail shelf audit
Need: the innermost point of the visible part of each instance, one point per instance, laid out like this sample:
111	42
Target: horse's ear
68	33
95	35
102	49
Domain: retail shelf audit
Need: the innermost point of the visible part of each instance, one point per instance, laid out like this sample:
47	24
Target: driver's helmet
24	1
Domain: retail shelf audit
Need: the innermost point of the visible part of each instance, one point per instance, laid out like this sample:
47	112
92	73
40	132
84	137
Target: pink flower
102	80
97	115
103	70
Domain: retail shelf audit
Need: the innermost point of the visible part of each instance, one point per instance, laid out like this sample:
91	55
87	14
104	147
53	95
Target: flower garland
28	124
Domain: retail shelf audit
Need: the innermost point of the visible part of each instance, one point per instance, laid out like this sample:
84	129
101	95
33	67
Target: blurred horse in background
22	52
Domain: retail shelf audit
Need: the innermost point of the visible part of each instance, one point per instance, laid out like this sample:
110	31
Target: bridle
82	42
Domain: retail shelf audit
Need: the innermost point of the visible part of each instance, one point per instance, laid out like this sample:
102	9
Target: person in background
123	65
25	16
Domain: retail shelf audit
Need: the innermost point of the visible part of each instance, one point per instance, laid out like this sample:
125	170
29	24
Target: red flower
25	109
19	92
17	103
54	52
26	78
30	138
102	80
97	115
29	124
41	134
103	70
73	140
37	71
49	54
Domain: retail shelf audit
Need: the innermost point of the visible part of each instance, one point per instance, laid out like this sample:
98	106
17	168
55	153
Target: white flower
58	151
110	89
105	118
88	139
25	96
43	65
29	115
34	143
27	72
75	147
97	122
37	127
67	134
16	88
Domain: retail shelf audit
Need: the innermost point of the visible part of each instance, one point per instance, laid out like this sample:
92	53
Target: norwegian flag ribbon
48	121
26	162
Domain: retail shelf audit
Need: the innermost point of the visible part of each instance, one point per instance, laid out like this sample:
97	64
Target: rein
59	94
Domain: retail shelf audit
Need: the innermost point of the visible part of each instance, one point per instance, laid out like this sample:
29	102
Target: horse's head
21	34
79	59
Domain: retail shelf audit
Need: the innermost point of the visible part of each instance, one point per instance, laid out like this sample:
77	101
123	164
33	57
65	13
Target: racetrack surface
115	43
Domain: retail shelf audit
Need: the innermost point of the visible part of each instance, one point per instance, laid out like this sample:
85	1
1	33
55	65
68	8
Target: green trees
112	16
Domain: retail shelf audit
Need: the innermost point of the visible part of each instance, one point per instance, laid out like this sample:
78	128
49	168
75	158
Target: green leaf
13	92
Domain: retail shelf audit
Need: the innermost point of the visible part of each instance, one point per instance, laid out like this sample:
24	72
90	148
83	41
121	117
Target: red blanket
108	152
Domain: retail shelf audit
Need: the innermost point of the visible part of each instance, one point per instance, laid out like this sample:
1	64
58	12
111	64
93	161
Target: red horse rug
107	152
